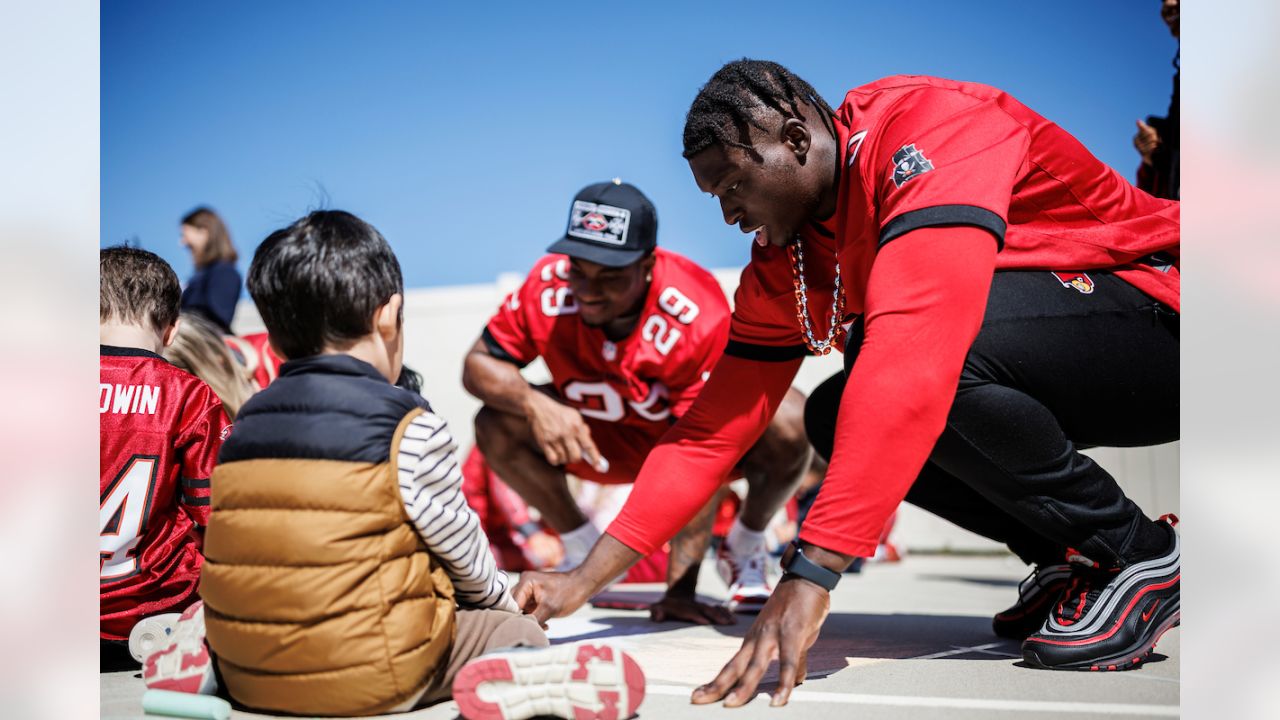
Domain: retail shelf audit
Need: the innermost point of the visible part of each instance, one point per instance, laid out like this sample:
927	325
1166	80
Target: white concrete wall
442	323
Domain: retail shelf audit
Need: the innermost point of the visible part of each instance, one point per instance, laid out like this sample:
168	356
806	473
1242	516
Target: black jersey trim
766	353
495	349
195	501
117	351
194	483
942	216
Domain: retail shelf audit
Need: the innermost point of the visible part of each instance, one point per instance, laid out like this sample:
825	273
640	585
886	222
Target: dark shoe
1111	619
1036	596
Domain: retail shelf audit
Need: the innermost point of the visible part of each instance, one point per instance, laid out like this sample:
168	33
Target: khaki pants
478	632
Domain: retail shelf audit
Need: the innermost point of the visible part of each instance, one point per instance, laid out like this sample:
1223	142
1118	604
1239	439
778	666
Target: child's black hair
722	112
318	282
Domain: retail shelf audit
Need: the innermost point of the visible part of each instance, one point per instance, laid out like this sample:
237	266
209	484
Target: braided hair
724	109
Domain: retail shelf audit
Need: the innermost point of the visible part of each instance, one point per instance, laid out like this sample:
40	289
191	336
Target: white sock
578	542
744	541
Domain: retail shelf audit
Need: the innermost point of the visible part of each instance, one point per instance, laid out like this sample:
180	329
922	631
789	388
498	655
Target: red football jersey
160	429
255	353
643	381
920	151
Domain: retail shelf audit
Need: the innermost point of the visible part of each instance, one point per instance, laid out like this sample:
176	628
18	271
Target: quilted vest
320	597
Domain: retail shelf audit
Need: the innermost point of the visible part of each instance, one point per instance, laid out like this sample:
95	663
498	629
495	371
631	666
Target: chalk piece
187	705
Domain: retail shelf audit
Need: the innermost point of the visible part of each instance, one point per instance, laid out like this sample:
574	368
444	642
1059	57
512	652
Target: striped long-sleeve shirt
431	485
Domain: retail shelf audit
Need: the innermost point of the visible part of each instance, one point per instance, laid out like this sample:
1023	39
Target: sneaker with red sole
581	681
1111	619
1036	596
185	665
746	576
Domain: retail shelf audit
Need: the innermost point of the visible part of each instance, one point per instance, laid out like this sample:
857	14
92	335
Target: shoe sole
584	681
1127	660
151	634
746	606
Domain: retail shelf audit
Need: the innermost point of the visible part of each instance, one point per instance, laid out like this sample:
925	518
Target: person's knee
518	631
497	432
787	427
784	444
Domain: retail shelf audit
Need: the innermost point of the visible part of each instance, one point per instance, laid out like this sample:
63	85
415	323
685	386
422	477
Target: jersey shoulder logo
909	163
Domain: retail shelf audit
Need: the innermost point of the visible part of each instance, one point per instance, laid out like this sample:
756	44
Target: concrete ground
907	640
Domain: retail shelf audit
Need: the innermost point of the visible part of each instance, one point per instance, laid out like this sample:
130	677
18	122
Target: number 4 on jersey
122	516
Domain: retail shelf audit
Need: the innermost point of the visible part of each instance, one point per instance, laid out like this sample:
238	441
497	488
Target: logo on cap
599	223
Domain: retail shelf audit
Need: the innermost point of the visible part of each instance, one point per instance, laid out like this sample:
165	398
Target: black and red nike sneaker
1036	596
1111	619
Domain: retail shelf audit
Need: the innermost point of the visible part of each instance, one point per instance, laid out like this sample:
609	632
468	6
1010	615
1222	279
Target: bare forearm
606	561
496	383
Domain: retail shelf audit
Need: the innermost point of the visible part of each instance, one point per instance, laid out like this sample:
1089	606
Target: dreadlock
724	109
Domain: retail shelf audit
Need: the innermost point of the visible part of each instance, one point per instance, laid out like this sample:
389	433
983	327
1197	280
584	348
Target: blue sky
462	133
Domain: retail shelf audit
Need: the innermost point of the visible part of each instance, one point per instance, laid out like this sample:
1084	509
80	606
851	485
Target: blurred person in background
254	352
1158	139
201	350
214	289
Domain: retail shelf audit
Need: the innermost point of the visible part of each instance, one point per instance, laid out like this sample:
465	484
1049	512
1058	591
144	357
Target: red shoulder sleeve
695	300
204	425
513	332
944	157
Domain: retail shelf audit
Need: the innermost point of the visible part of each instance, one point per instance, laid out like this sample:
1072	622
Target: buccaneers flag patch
908	163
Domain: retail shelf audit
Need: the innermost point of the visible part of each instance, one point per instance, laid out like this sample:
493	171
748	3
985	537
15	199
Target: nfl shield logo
908	163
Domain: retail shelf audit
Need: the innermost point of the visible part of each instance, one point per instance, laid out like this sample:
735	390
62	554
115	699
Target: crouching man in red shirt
1002	298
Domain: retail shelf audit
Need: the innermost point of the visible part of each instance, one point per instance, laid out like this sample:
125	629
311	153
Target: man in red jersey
629	332
160	430
918	228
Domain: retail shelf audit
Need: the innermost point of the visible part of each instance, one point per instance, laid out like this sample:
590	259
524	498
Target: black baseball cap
610	223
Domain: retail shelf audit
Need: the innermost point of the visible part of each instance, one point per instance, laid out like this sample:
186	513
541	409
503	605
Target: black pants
1052	369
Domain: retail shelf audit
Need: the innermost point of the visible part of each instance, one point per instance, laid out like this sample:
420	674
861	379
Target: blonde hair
200	350
219	246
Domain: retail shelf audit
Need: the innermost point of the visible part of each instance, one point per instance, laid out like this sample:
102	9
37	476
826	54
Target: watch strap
803	567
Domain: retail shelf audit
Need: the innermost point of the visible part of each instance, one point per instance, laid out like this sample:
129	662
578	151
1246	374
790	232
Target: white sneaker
185	665
151	634
747	578
581	681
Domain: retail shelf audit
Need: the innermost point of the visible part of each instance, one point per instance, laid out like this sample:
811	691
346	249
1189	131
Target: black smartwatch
803	567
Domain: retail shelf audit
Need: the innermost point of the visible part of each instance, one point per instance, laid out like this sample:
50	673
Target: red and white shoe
746	577
185	665
582	681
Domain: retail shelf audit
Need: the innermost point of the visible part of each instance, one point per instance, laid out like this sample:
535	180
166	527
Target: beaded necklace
836	332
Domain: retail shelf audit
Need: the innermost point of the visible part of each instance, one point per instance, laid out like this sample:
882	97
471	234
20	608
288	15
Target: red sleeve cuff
839	542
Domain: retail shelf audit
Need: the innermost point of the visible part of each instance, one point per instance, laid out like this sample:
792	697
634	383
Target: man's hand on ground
785	629
686	608
561	432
